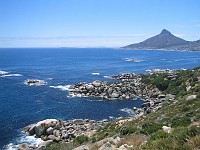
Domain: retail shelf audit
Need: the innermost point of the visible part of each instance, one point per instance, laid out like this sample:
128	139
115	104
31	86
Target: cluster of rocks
52	130
35	82
156	71
127	88
111	143
153	104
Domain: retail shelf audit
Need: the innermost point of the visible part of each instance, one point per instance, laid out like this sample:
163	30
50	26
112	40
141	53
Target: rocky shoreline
53	130
127	87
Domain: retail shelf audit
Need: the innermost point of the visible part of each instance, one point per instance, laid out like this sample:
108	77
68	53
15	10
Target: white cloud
179	34
72	41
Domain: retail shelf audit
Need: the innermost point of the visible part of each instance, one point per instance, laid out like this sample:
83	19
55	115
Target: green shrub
149	128
160	134
127	130
194	130
180	122
81	139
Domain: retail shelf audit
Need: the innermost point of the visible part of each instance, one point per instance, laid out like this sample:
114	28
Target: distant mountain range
165	41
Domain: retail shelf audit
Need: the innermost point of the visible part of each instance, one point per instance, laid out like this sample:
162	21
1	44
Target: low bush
81	139
149	128
127	130
160	134
180	122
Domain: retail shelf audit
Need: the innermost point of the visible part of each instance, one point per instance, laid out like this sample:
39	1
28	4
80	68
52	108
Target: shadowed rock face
166	40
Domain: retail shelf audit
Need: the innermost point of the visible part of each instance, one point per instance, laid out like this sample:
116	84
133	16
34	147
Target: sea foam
11	75
129	111
3	72
31	140
132	60
95	73
61	87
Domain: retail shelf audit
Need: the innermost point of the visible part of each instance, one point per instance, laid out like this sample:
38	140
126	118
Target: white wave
129	111
108	77
111	117
75	95
11	75
49	78
62	87
3	72
132	60
95	73
30	140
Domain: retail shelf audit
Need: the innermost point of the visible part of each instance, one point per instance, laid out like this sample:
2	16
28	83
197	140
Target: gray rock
161	96
107	146
39	130
167	129
79	121
114	95
31	130
45	143
52	137
56	133
89	87
191	97
23	147
49	131
82	147
96	83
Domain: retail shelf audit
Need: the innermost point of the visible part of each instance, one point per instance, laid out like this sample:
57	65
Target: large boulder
89	87
96	83
31	130
82	147
52	137
191	97
23	147
49	131
41	126
79	121
167	129
114	95
45	143
107	146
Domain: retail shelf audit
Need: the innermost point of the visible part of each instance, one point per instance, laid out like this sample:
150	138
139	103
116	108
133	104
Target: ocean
22	104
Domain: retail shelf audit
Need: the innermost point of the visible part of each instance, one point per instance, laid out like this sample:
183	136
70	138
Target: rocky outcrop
23	147
191	97
128	87
35	82
52	130
167	129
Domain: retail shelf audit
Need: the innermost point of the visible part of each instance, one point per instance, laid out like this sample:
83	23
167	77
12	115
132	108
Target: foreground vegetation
182	115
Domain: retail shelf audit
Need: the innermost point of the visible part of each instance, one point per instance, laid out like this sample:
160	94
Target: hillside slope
165	40
175	126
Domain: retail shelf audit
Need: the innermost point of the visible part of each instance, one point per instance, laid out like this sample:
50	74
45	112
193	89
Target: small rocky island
35	82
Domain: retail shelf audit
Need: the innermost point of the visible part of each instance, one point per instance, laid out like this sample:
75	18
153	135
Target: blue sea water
21	105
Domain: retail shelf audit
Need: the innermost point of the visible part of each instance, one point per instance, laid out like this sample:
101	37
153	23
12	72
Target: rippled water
22	105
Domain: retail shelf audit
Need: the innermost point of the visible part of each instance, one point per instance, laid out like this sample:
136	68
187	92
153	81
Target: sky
94	23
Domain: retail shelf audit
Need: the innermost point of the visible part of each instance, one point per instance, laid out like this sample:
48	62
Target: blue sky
94	23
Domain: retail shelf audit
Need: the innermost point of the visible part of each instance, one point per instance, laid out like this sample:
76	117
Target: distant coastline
165	41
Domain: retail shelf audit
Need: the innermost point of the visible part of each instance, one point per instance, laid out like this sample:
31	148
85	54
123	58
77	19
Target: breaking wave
129	111
61	87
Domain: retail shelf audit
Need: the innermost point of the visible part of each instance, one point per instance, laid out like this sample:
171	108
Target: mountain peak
164	31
